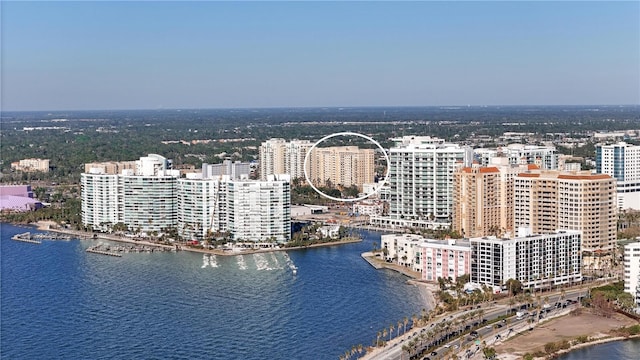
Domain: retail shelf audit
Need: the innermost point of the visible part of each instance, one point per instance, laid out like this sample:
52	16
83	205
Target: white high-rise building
143	199
537	261
277	156
421	181
100	197
260	210
622	162
232	169
632	270
546	157
202	208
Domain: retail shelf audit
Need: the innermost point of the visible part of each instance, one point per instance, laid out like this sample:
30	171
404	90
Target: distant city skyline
153	55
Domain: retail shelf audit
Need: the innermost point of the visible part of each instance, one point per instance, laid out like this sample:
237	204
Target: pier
96	250
37	238
25	237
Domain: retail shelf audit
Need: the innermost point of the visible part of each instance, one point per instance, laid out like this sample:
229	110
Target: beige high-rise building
277	156
341	166
546	200
483	199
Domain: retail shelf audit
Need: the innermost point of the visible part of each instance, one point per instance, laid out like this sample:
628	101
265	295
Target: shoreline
564	327
84	235
594	343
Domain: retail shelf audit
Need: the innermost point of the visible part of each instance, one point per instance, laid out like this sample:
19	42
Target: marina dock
96	250
25	237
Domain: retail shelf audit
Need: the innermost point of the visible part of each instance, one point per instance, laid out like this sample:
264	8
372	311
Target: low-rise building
444	259
30	165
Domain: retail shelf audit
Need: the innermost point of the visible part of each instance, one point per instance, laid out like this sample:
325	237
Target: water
60	302
619	350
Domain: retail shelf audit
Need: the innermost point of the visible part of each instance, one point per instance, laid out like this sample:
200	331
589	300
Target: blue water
619	350
60	302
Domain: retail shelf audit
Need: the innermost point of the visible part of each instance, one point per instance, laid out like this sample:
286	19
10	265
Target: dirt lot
566	327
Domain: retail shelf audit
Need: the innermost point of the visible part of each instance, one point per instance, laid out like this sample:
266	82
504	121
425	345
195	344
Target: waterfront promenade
52	226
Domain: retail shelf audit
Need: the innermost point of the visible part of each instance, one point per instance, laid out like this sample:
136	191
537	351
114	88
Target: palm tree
384	333
360	349
391	328
378	338
398	328
405	322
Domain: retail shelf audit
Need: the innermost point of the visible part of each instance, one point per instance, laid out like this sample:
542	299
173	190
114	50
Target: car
474	333
447	346
433	353
498	325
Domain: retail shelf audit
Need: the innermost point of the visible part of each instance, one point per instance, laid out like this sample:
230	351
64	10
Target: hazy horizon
74	56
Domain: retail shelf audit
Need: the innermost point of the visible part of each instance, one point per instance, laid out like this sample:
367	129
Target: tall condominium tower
421	180
277	156
483	199
341	165
260	210
622	162
143	199
547	200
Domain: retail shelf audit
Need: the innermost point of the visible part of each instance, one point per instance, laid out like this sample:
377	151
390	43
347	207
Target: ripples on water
619	350
59	302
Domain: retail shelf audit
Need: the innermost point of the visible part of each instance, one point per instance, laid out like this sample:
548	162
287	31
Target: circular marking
375	191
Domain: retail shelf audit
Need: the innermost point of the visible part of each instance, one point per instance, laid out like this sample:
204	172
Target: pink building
444	258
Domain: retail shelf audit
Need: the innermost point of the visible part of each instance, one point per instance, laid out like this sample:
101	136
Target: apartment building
30	165
421	182
341	166
632	270
483	198
622	162
278	156
537	261
545	157
232	169
259	210
143	199
432	258
444	259
403	249
109	167
548	200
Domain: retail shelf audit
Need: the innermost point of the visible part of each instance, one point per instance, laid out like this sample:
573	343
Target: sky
151	55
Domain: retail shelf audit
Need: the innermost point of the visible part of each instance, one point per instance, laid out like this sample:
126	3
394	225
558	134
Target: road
492	311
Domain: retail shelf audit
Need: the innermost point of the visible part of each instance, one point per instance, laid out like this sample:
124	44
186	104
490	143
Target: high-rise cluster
151	197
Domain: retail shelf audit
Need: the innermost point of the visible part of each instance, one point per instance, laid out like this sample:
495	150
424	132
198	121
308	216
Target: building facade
545	201
483	198
545	157
622	162
341	166
632	270
421	182
233	169
260	210
278	156
30	165
444	259
537	261
143	199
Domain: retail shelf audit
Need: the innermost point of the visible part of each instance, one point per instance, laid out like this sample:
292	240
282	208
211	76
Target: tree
514	286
